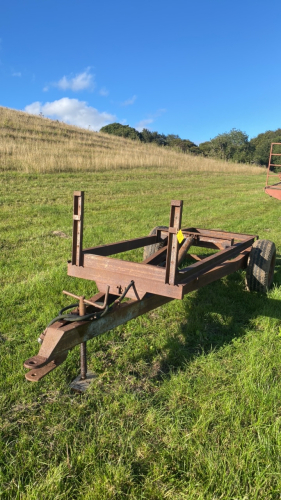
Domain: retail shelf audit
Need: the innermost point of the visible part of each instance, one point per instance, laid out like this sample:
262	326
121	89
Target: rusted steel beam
195	270
77	239
118	273
188	242
157	258
194	257
121	246
224	269
127	245
213	243
214	233
173	244
103	265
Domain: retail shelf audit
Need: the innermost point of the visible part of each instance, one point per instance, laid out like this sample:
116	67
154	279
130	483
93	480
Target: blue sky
192	68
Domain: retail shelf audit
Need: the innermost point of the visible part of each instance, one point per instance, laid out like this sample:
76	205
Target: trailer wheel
151	249
261	264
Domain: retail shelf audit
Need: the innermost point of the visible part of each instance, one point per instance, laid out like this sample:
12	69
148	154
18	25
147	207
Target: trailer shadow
215	315
212	317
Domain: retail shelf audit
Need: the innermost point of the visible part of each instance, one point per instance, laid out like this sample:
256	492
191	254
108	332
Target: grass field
186	404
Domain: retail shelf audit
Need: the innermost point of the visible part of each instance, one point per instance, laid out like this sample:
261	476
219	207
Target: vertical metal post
81	383
269	164
83	360
173	244
77	241
83	346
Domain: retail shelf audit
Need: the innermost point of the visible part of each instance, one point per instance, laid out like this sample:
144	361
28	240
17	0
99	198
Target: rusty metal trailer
130	289
273	175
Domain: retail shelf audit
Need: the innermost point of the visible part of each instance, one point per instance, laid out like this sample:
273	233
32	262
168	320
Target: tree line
233	146
146	135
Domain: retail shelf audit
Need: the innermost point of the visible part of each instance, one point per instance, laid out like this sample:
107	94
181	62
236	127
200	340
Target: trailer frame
130	289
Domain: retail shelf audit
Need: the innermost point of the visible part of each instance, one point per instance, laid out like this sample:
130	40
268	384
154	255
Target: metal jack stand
82	382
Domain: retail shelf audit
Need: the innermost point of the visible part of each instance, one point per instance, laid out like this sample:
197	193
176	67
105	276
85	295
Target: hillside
31	143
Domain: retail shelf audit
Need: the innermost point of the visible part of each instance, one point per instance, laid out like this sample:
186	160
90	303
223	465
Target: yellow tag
180	236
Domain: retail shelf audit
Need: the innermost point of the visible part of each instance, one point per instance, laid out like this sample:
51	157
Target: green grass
186	404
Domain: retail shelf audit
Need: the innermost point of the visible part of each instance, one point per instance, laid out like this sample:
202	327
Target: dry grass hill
31	143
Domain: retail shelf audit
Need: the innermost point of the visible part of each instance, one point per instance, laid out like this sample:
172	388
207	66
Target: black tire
151	249
260	268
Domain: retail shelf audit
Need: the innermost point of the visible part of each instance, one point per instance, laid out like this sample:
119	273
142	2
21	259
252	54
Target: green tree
230	146
261	146
121	131
148	136
171	140
183	145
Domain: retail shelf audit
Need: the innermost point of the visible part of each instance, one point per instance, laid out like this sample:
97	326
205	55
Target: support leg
81	383
83	360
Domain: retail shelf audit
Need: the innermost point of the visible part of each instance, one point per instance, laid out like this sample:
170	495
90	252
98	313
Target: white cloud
16	73
81	81
72	111
45	89
129	101
143	124
104	92
34	108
